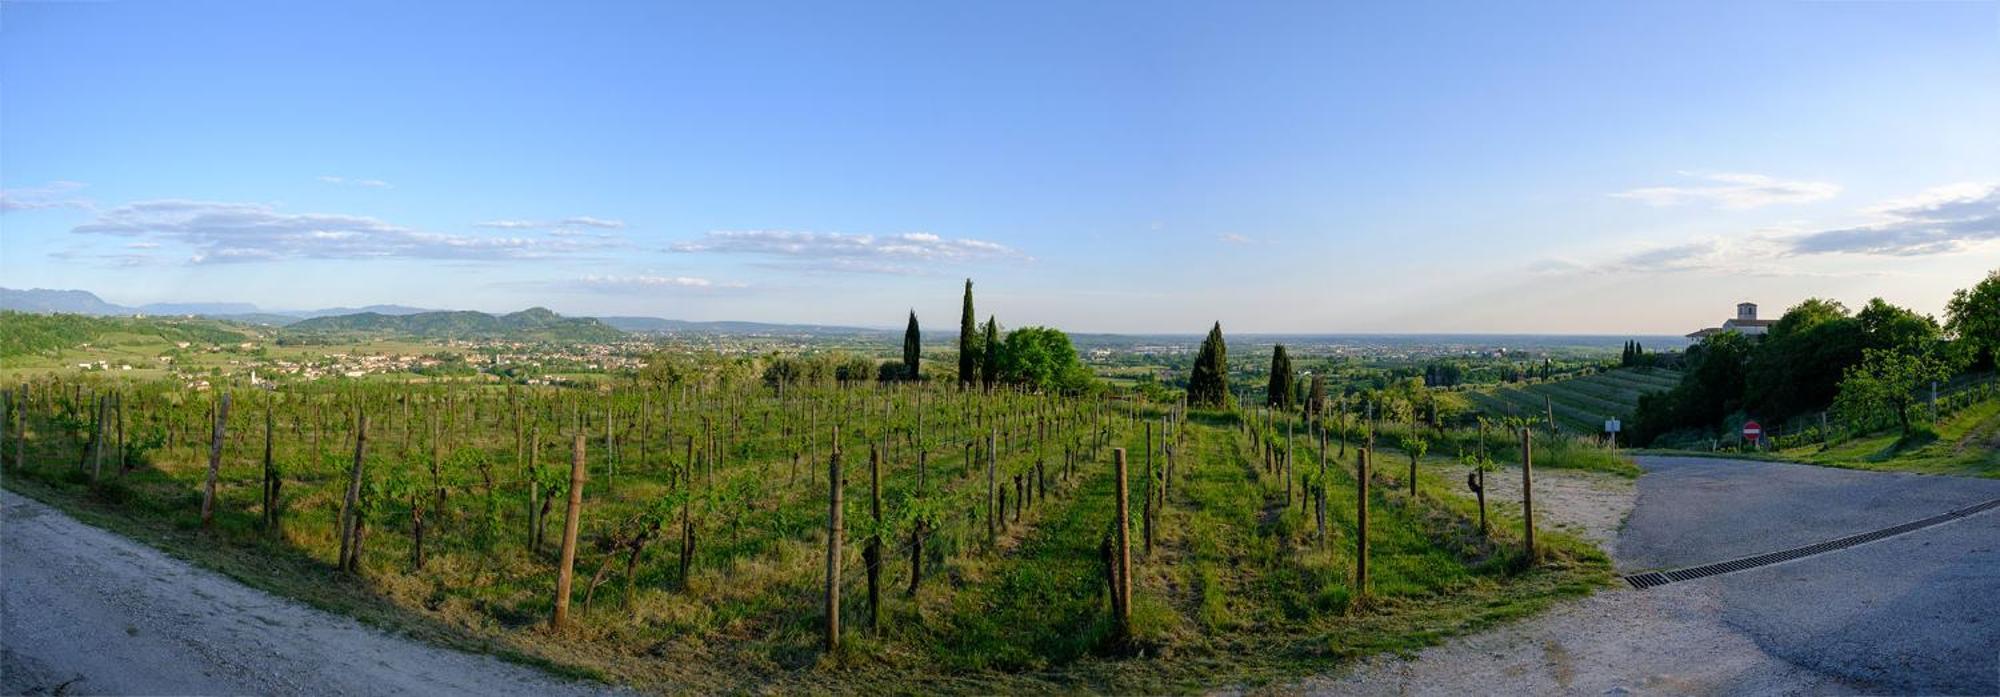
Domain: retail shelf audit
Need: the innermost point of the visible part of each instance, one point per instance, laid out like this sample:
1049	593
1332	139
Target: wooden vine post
833	535
1124	561
214	460
271	480
1361	522
1146	515
350	507
572	519
993	495
1528	493
872	556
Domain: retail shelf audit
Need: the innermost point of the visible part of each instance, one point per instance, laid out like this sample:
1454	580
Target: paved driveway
1918	613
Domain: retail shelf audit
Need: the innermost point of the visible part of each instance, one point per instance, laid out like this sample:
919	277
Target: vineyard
1581	404
682	535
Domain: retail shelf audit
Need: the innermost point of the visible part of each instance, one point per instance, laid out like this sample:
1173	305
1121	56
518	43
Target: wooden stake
833	539
1124	547
1528	493
1361	522
215	460
572	519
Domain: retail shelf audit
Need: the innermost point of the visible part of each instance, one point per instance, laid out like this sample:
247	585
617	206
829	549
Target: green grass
1965	444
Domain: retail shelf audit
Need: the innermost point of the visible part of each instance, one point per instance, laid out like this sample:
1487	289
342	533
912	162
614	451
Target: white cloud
1734	190
829	251
1942	220
55	194
650	282
248	232
1234	238
347	181
565	224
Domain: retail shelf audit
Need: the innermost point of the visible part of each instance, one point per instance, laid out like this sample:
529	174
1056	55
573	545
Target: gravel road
1918	613
84	611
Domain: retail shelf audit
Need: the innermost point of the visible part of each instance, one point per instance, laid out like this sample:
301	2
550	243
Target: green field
1237	587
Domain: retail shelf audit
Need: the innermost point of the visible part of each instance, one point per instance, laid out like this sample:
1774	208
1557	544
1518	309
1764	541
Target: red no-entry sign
1752	430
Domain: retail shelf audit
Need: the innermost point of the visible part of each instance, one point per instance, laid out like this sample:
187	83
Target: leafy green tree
1886	379
1973	318
1797	367
1886	326
913	349
968	341
1711	389
1279	390
1208	381
1043	358
989	365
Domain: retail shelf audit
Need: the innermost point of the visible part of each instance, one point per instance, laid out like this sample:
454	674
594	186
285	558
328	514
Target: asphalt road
1918	613
84	611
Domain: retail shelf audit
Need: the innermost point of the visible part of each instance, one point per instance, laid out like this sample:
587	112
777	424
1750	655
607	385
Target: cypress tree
913	348
1280	392
968	341
989	369
1316	395
1208	381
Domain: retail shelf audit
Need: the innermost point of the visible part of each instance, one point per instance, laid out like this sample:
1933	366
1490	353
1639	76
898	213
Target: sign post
1611	428
1753	432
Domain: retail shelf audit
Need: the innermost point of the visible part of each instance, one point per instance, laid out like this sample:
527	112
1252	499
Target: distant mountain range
534	323
83	302
655	325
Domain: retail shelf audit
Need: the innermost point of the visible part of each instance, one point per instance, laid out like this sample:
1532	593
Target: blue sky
1480	167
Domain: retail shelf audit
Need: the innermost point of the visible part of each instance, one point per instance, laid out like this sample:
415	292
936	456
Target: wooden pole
1361	522
214	460
1528	493
833	535
1124	547
874	551
350	509
572	519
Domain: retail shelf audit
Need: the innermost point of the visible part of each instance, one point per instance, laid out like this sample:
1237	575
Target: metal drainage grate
1660	578
1646	580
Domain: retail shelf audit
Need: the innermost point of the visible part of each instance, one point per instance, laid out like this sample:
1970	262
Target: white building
1745	323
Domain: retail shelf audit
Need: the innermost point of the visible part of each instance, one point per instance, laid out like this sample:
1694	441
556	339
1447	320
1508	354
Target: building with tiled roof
1745	323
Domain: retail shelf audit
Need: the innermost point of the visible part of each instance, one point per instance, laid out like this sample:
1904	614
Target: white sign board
1611	425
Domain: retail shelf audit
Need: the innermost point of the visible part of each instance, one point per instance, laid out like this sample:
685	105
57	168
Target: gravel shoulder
85	611
1917	613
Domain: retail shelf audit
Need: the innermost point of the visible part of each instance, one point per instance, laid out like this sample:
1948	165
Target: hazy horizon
1131	169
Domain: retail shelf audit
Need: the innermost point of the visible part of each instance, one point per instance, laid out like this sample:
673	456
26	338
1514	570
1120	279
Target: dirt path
84	611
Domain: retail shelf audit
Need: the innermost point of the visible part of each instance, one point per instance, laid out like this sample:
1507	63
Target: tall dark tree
1281	391
989	353
1208	381
1316	395
913	348
968	341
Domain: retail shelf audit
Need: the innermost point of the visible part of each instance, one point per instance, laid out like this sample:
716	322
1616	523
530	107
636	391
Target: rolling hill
533	324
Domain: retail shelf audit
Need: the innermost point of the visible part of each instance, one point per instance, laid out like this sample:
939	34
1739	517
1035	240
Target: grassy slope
1967	444
1238	590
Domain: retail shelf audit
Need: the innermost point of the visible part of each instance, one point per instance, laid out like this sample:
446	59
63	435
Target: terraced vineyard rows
1580	404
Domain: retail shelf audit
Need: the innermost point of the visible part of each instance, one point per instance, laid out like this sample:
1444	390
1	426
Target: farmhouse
1745	323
